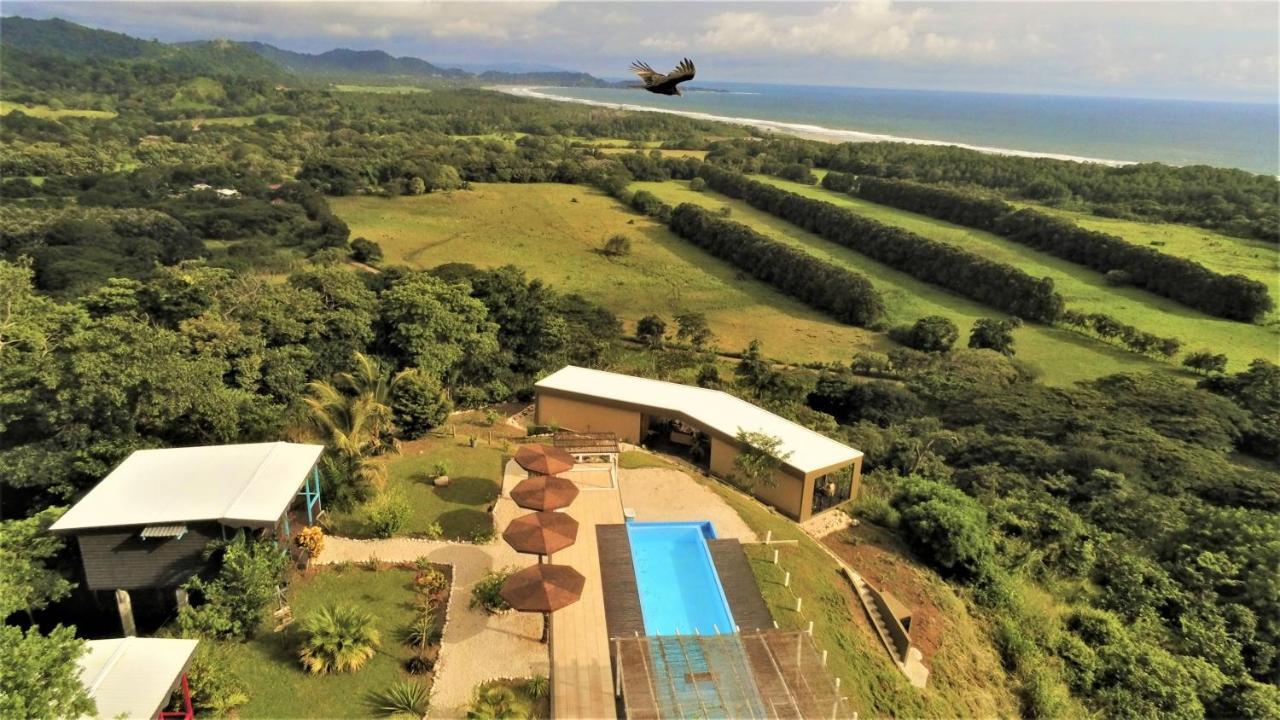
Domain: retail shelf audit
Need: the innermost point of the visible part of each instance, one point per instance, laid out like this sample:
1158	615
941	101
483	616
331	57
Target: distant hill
351	62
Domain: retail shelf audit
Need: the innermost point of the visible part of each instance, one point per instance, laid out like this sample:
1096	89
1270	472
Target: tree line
1235	297
965	273
846	295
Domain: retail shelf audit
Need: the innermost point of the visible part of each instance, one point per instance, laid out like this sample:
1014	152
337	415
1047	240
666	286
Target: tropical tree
692	328
651	330
994	334
496	702
40	677
26	582
349	427
337	638
760	457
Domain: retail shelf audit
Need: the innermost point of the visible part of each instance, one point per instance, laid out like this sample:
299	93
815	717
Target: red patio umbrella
543	588
544	459
541	533
544	492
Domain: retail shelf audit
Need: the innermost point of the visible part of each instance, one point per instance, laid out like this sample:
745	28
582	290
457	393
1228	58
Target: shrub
365	251
1205	362
491	417
236	599
337	638
388	515
947	527
215	689
494	702
877	510
617	246
932	333
406	697
485	594
538	687
440	469
311	539
651	330
433	532
430	581
697	184
994	334
418	403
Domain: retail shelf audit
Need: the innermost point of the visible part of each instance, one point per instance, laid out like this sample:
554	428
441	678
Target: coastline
808	132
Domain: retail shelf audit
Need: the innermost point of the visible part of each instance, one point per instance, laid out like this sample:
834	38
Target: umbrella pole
546	626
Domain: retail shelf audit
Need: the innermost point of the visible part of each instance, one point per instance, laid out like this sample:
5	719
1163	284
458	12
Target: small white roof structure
712	409
132	676
248	484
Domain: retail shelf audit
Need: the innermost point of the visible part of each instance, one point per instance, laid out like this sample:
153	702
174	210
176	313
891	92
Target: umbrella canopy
544	459
543	588
541	533
544	492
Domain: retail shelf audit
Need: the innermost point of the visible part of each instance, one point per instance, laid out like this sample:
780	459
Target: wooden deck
617	573
739	583
581	672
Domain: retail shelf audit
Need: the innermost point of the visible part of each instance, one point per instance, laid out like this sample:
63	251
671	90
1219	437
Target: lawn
461	508
44	111
1221	253
268	665
554	233
1085	290
873	685
1061	356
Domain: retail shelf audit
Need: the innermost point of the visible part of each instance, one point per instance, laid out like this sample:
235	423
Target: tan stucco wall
587	417
787	494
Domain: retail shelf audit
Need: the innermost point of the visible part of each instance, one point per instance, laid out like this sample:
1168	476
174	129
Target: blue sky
1149	49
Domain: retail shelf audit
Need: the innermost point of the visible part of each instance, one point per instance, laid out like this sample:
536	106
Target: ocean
1112	130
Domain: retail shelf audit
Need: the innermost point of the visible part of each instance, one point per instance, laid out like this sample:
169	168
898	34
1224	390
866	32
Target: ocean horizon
1108	130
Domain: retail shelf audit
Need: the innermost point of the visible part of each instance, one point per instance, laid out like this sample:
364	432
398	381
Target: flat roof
713	409
251	484
132	676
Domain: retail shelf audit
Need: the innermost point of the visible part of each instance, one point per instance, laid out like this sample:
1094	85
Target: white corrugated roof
132	676
711	409
251	483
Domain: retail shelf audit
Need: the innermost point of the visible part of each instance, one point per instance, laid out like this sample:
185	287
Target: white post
775	556
799	602
824	658
125	606
786	581
837	684
768	537
810	630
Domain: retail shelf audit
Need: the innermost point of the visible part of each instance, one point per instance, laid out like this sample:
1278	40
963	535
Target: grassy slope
44	111
541	229
1084	289
966	680
1062	356
1221	253
269	666
382	89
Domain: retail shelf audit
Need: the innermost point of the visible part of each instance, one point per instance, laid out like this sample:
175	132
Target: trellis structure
765	675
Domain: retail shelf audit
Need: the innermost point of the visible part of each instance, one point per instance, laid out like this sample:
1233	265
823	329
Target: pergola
764	674
588	447
133	677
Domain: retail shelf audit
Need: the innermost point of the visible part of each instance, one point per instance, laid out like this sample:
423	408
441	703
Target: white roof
253	484
133	676
712	409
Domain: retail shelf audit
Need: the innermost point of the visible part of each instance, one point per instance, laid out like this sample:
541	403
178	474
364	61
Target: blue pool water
679	589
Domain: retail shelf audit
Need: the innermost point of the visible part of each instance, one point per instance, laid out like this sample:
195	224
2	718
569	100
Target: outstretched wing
647	74
684	71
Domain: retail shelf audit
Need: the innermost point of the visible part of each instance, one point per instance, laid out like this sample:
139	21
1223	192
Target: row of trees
844	294
1110	329
963	272
1231	296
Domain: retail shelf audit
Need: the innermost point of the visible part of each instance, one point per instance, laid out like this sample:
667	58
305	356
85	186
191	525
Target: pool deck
581	672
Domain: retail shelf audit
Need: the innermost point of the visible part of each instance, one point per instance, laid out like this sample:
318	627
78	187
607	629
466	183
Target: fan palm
337	638
496	702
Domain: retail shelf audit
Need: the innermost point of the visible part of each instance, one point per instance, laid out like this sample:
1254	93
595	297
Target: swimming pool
679	589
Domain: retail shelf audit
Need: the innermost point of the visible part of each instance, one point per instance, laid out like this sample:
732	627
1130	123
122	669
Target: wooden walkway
739	583
581	672
617	573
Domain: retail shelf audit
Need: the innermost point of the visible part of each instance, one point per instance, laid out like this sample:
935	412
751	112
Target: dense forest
1119	538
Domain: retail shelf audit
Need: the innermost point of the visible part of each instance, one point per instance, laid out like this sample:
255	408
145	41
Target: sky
1189	50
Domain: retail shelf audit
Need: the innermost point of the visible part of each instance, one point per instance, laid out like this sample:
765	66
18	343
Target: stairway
877	619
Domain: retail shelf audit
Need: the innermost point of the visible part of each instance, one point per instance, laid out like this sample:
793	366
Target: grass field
382	89
1085	290
544	231
461	508
700	154
1220	253
268	664
44	111
1061	356
239	120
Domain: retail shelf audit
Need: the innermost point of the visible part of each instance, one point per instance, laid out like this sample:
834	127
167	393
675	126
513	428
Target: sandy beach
810	132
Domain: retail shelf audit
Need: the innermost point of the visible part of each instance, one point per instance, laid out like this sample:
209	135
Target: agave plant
404	698
337	638
537	687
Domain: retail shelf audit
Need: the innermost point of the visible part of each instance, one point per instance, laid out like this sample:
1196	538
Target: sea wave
814	132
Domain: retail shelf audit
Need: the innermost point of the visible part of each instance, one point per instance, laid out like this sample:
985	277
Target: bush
485	594
388	515
538	687
932	333
365	251
430	581
235	600
419	403
876	510
948	528
337	638
697	184
406	697
617	246
310	539
215	689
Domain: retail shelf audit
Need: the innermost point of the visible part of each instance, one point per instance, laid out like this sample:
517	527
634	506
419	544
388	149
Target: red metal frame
186	713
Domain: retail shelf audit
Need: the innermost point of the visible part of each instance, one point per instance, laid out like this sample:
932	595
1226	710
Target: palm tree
496	702
337	638
345	424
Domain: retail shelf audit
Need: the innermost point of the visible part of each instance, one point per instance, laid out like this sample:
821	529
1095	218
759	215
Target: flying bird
664	84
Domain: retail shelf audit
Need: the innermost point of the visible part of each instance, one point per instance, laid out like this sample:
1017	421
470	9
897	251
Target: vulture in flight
664	84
